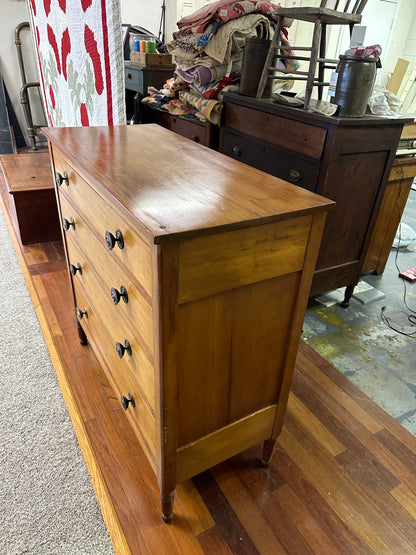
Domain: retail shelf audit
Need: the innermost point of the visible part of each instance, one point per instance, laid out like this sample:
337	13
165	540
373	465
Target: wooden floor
342	480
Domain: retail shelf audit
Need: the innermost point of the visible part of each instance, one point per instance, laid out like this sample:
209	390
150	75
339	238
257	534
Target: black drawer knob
195	138
60	178
82	313
66	224
126	401
236	151
293	175
111	240
116	295
74	269
121	349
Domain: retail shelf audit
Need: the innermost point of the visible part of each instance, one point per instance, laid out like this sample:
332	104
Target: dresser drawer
99	276
284	132
137	365
134	79
135	254
121	381
198	132
285	164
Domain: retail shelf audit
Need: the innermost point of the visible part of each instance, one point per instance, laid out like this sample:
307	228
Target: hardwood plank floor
342	479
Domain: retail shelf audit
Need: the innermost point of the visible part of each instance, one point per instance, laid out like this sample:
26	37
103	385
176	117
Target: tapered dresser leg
167	506
268	447
81	334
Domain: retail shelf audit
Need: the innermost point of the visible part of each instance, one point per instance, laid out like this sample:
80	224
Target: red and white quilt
81	64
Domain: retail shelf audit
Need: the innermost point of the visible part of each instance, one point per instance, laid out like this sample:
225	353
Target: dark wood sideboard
345	159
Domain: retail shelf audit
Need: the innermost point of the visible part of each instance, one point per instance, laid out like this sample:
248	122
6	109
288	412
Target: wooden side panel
355	189
224	443
239	338
388	219
225	261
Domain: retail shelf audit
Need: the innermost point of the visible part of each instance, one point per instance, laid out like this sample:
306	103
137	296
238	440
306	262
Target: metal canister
355	82
254	56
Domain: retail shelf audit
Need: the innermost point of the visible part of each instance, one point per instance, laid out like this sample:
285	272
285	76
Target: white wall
147	14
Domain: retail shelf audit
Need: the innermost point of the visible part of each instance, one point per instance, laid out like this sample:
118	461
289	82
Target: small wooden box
151	60
32	196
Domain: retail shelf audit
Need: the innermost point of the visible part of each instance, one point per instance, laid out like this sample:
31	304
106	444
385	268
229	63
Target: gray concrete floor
358	341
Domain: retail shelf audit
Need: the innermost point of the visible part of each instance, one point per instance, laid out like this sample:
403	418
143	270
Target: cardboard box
151	60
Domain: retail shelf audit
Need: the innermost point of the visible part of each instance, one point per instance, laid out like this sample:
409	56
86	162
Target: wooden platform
342	480
31	199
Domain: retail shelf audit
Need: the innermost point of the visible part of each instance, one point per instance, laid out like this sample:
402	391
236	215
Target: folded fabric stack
208	52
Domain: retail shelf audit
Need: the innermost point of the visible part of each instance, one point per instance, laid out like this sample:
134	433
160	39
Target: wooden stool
320	17
29	181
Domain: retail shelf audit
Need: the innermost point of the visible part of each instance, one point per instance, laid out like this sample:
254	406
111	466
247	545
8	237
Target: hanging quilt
81	62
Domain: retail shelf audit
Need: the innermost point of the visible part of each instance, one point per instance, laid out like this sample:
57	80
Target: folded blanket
223	12
202	75
231	37
210	109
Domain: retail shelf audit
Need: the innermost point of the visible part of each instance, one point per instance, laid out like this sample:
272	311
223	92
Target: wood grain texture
312	496
196	191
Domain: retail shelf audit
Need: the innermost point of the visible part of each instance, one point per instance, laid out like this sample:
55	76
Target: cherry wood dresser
345	159
190	274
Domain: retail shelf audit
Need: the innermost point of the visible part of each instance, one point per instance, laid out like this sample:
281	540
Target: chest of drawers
345	159
190	274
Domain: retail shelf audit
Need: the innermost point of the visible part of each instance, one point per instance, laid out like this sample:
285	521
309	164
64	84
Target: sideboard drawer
285	164
287	133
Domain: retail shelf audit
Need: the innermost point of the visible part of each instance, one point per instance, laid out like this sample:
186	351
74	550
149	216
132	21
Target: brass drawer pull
236	151
294	175
66	224
125	402
82	313
121	349
74	269
117	295
111	240
60	178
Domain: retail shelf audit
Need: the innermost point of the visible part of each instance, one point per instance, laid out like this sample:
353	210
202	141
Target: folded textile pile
208	50
373	51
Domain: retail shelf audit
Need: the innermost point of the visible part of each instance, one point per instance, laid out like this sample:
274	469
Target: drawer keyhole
116	295
111	240
126	401
236	151
121	349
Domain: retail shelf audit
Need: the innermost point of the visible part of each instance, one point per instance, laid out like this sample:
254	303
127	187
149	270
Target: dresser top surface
175	187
